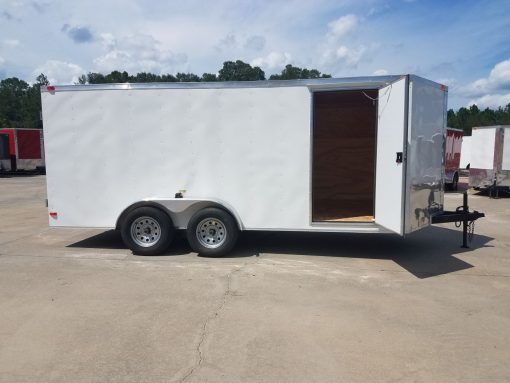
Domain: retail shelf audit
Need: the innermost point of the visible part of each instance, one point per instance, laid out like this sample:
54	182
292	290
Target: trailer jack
461	216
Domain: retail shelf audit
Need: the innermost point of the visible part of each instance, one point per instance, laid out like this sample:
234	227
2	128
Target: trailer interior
343	155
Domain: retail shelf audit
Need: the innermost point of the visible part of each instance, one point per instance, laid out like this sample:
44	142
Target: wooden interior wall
343	170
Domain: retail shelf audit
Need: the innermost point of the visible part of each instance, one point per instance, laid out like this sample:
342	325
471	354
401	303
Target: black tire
218	229
161	237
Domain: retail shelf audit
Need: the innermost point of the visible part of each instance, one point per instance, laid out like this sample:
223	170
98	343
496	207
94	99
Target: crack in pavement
204	333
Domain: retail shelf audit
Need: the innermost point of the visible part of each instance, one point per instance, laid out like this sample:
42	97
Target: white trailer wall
465	154
246	146
490	157
483	142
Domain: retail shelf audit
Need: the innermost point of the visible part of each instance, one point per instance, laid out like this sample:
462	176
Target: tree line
20	102
467	118
231	71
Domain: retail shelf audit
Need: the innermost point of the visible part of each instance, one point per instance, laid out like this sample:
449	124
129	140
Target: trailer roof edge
347	82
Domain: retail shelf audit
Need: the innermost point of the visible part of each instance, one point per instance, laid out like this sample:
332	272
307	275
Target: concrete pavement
284	307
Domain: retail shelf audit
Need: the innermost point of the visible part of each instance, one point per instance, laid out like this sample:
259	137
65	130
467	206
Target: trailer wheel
212	232
147	231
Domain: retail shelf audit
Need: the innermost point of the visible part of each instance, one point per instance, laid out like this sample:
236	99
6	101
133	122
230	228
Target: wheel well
179	217
137	205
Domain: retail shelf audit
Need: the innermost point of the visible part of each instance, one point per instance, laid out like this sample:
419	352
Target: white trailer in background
359	155
465	153
490	157
453	147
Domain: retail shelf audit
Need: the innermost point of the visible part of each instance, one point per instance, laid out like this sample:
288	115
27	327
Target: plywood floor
362	218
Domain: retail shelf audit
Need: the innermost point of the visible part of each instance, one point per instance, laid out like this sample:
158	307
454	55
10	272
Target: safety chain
471	230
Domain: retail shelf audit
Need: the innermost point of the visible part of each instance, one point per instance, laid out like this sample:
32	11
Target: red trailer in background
452	157
21	149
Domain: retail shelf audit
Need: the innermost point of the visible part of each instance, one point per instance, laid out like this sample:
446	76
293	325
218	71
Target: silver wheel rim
145	231
211	233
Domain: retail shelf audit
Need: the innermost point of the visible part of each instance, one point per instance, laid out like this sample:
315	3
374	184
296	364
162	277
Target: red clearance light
50	88
53	214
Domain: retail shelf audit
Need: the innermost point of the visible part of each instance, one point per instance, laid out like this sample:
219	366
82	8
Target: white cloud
255	43
342	26
137	53
107	41
227	43
233	43
59	72
380	72
274	60
492	91
493	101
343	56
378	9
498	80
334	55
449	82
2	60
11	43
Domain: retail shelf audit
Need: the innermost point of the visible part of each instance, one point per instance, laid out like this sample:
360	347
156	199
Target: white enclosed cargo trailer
360	155
465	155
490	157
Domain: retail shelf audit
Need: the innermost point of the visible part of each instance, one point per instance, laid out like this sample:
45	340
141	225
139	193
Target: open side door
391	156
425	152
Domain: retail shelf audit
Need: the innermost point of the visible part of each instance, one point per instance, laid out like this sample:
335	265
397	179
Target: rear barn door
390	157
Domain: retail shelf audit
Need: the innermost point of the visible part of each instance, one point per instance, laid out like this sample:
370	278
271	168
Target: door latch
399	158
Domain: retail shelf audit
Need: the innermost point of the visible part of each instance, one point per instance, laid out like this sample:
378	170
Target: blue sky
463	44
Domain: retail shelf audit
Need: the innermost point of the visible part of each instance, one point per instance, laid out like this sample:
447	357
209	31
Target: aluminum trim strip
321	83
413	77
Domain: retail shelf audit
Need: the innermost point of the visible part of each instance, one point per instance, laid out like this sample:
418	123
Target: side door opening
343	155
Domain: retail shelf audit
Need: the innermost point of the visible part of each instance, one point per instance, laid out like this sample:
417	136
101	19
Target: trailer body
21	149
342	155
490	157
453	147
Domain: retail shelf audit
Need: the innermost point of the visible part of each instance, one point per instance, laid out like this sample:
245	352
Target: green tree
19	103
82	79
13	96
292	73
240	71
42	79
467	118
117	77
187	77
146	77
168	78
95	78
452	119
209	77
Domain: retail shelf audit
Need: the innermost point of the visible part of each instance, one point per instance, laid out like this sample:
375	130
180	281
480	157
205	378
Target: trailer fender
180	210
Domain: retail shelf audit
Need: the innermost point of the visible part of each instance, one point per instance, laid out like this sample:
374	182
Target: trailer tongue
461	216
